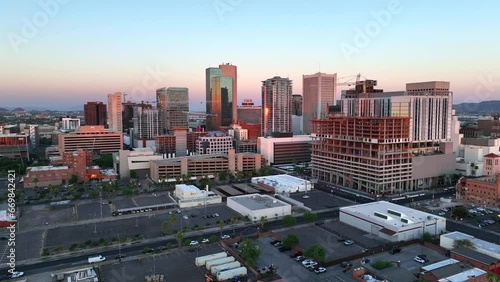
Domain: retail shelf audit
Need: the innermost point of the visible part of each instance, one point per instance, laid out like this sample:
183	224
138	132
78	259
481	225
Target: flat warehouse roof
389	214
480	244
258	202
282	180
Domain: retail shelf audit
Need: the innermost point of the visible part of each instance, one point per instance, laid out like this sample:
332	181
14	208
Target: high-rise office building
276	106
95	113
115	112
173	105
128	115
146	126
296	105
232	71
221	108
249	113
318	90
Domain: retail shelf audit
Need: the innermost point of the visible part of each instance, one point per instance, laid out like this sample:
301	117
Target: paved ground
361	238
42	214
148	200
92	211
314	235
124	203
177	266
147	224
319	200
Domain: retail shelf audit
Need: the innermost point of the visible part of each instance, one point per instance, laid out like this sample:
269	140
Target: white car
205	240
441	213
306	197
17	274
307	262
320	270
225	237
348	242
418	259
193	243
185	217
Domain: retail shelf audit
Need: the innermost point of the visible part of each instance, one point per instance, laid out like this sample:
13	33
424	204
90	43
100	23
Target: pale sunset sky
59	54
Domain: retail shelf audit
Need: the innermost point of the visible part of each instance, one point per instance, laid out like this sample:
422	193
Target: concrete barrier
293	202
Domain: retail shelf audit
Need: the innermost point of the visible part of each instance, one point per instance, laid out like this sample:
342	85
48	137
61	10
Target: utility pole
95	223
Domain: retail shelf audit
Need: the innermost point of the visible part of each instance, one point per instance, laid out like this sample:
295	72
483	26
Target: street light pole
95	223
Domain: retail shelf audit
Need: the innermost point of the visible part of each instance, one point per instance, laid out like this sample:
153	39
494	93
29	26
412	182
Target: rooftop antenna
319	68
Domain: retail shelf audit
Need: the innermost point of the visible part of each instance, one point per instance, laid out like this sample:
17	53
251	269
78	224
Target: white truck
224	267
211	263
95	259
199	261
229	274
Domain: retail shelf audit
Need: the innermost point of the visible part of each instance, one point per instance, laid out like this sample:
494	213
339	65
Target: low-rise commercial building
476	259
447	241
283	183
257	206
205	165
14	145
451	270
392	222
483	191
191	196
215	142
138	160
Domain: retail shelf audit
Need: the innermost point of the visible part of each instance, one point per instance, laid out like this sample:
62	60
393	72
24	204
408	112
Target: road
137	249
474	231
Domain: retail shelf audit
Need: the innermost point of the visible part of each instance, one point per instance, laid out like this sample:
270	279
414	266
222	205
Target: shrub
380	264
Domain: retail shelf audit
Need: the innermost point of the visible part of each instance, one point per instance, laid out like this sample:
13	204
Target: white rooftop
258	202
463	276
47	168
281	181
439	264
480	244
390	215
187	188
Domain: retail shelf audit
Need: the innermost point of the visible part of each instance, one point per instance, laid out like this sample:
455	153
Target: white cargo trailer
199	261
229	274
224	267
211	263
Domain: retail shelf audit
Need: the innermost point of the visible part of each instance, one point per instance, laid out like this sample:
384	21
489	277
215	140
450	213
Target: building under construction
370	154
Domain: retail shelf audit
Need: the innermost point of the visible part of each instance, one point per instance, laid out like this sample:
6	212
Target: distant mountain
3	110
18	110
485	107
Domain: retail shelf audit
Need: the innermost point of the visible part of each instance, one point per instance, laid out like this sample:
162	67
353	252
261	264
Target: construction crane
365	84
348	82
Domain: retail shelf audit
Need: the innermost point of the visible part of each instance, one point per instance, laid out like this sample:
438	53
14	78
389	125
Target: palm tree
179	237
164	227
221	225
234	220
263	221
172	218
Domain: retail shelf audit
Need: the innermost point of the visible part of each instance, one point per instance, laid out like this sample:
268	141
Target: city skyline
63	55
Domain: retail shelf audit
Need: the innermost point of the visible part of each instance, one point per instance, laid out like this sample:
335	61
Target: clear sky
67	52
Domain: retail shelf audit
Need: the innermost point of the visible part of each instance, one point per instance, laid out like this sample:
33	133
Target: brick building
484	191
476	259
491	164
95	113
93	138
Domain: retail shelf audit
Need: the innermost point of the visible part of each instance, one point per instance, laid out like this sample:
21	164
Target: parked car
120	256
284	248
320	270
300	258
395	251
274	242
205	240
278	244
225	237
348	242
419	259
17	274
296	254
345	264
185	217
193	243
307	261
306	197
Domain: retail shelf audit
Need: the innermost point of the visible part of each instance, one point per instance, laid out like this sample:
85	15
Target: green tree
165	227
53	189
234	220
464	243
291	240
492	277
94	194
172	218
427	237
223	175
310	216
249	251
213	238
179	237
263	220
133	174
35	180
459	212
221	225
289	220
73	179
316	252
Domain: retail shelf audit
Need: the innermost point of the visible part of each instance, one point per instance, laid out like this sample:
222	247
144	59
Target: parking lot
39	215
319	200
92	210
176	266
311	235
141	201
364	239
146	224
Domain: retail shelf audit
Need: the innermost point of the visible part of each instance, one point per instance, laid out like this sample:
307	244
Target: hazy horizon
66	53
